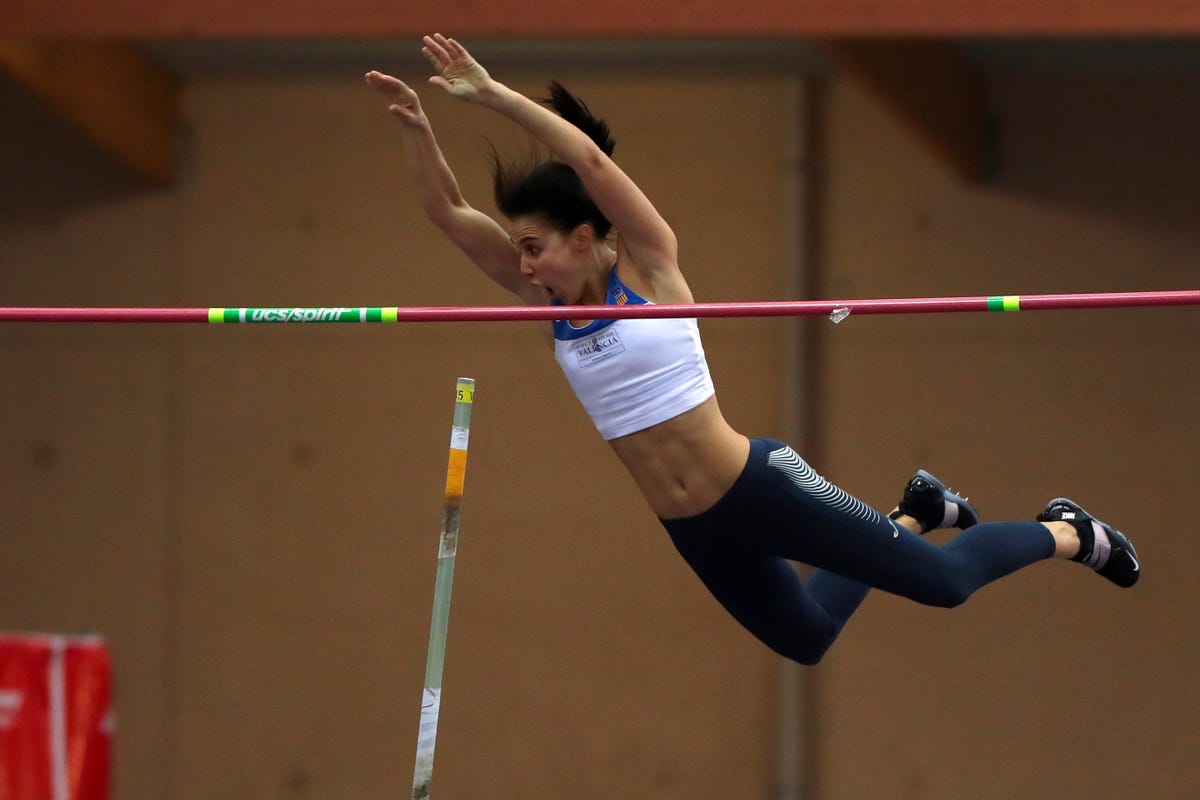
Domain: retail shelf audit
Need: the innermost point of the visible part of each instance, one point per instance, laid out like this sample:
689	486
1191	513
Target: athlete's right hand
404	103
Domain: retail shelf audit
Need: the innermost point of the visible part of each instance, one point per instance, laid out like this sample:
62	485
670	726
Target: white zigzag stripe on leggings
787	461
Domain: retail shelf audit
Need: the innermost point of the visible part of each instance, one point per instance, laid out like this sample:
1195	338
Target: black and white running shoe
1101	546
929	502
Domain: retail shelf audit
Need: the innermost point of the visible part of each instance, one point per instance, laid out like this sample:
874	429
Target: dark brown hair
552	189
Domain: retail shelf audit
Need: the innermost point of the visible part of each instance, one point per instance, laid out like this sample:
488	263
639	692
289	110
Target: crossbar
784	308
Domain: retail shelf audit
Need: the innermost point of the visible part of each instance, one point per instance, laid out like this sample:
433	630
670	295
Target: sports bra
630	374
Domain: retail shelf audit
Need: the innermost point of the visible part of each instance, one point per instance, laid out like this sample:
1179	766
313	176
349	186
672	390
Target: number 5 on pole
431	700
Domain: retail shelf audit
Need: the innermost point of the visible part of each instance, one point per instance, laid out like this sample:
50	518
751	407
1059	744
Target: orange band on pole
456	473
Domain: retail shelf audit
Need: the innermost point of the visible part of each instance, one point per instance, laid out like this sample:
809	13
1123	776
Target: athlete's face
550	258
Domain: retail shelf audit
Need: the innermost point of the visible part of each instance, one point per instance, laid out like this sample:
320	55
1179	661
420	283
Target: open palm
457	72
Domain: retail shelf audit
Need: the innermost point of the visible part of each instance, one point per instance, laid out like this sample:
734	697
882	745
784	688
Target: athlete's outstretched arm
475	233
643	230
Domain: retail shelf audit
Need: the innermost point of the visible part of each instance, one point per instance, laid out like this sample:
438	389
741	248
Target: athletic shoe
929	502
1101	546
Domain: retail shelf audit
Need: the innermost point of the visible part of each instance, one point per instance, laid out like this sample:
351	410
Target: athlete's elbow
592	162
442	218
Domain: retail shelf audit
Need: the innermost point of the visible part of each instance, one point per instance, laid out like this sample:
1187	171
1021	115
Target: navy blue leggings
780	510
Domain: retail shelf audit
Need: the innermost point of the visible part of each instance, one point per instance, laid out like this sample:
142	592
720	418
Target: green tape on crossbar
335	314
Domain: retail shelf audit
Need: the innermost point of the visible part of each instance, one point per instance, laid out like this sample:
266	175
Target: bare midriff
685	465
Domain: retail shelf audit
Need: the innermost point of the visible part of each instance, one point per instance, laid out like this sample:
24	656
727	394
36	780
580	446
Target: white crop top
631	374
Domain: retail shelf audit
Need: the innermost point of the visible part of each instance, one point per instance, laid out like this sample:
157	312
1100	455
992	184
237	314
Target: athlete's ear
583	236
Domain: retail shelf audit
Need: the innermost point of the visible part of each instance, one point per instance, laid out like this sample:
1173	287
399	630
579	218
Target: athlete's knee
807	653
949	593
807	648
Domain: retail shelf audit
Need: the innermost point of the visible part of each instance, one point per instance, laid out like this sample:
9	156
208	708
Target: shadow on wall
47	170
1113	145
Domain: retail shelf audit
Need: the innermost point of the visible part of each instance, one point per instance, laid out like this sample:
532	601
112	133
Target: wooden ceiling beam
110	94
931	89
190	19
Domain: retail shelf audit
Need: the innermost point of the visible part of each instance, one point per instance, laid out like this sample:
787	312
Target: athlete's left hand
457	72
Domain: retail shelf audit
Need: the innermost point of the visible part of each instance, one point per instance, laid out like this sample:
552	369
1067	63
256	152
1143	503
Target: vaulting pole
431	700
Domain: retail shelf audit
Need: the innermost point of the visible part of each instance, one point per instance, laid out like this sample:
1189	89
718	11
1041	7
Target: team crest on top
620	296
598	347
